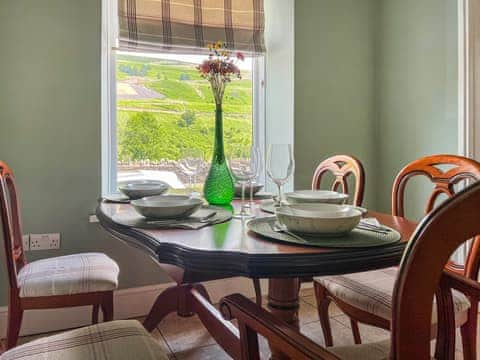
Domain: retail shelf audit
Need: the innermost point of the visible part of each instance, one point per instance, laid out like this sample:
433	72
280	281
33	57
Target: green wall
334	84
376	79
416	90
50	126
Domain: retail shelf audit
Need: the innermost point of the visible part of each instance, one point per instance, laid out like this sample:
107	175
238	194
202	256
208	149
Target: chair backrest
11	225
460	169
342	166
421	268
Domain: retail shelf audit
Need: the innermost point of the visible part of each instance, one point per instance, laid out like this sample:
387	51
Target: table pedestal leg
193	299
176	298
283	303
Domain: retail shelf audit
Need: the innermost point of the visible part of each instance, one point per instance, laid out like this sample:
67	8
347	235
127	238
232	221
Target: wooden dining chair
65	281
421	278
342	167
367	297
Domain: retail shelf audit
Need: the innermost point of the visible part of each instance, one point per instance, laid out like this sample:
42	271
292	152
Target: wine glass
280	166
191	160
252	182
244	163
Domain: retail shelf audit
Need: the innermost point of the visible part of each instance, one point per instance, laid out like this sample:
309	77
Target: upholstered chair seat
119	340
68	275
370	351
372	292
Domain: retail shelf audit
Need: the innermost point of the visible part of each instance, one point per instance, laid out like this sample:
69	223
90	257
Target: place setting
171	212
153	208
323	225
319	218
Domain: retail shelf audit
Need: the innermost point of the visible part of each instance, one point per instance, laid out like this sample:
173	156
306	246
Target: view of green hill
165	107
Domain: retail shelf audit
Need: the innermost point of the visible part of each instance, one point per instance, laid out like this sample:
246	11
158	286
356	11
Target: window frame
108	98
109	101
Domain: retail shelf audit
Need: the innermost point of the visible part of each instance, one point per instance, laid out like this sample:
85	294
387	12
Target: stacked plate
309	197
319	219
140	189
319	212
167	206
316	196
148	199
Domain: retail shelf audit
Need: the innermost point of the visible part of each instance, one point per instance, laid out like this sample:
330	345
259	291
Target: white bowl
319	219
166	206
316	196
140	189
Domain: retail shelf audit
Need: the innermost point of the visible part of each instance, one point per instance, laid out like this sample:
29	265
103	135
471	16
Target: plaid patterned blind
155	25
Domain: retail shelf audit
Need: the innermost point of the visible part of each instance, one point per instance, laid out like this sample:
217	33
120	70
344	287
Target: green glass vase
219	186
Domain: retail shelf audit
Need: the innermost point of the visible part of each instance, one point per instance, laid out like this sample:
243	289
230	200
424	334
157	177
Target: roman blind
190	25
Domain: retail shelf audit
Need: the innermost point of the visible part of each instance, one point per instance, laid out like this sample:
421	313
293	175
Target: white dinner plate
140	189
166	206
319	218
316	196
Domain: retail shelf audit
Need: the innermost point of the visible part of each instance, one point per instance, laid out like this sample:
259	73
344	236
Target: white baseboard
129	303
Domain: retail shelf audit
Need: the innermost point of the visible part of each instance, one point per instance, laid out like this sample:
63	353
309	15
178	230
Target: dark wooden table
228	250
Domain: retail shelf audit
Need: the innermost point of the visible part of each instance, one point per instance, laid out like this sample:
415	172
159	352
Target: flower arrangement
220	68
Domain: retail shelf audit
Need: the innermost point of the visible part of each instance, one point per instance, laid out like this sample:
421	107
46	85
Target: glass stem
243	210
251	192
279	200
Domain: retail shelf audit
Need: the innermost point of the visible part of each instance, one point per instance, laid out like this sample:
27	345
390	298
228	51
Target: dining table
229	249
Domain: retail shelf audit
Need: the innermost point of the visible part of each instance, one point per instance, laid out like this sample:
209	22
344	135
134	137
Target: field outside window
165	113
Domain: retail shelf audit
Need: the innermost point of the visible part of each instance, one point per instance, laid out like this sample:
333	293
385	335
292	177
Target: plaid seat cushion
66	275
371	351
119	340
371	291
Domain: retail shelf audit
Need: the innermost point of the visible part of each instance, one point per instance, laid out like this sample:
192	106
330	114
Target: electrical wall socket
26	242
44	241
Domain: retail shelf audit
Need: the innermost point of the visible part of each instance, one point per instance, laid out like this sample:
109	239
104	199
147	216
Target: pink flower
233	69
220	68
204	67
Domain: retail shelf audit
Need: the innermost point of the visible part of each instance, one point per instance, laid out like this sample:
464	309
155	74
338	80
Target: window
158	110
165	113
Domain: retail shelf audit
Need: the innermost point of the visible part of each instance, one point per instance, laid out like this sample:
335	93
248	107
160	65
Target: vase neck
218	150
